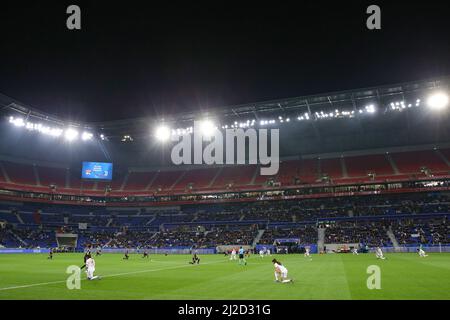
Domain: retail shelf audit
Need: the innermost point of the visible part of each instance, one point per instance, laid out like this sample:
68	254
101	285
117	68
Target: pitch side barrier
178	250
19	250
273	248
443	248
411	248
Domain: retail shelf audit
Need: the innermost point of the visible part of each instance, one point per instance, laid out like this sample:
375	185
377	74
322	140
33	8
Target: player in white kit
422	253
261	253
90	269
281	272
233	255
379	253
355	251
307	254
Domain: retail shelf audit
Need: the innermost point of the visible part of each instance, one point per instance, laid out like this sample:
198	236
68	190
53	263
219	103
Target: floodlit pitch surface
332	276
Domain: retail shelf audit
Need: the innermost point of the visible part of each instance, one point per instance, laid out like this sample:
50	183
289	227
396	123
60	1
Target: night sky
136	58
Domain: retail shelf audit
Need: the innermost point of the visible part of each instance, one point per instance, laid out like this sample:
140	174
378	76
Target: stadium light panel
207	128
70	134
437	101
18	122
162	133
87	136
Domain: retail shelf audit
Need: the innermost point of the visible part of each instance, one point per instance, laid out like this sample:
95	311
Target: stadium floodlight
370	108
207	128
18	122
70	134
162	133
437	101
86	136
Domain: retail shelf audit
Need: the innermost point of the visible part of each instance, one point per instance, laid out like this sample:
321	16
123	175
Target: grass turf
332	276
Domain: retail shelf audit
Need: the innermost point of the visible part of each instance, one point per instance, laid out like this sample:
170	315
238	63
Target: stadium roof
380	95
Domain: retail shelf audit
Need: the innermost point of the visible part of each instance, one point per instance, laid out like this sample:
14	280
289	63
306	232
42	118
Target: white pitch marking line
107	276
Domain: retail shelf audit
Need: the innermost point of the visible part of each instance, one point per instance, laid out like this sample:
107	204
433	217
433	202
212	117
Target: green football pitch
332	276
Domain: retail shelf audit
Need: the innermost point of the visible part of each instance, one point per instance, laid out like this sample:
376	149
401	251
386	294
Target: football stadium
366	187
217	161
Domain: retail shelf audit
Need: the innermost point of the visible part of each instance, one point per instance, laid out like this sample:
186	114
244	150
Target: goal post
67	240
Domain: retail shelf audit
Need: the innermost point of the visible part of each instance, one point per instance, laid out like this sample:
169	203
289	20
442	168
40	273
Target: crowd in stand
304	234
369	233
412	232
239	223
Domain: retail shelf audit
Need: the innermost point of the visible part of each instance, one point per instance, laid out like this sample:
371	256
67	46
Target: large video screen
97	170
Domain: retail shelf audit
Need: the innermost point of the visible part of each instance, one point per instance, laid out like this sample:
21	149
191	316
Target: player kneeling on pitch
422	253
281	272
195	259
379	253
90	269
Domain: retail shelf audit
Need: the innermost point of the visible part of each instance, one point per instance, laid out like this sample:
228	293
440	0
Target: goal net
67	240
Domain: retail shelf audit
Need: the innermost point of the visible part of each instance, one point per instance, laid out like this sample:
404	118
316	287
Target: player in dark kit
50	254
145	254
195	259
98	252
87	255
126	257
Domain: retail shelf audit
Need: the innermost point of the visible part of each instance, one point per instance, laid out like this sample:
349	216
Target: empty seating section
2	175
198	178
8	217
412	162
302	171
52	176
74	179
331	167
288	170
117	181
139	180
88	185
360	166
101	185
308	170
165	180
445	153
235	175
20	173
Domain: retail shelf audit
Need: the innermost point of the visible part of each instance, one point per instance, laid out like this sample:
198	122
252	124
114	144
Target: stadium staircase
18	238
180	177
5	174
110	220
67	179
392	163
36	175
19	218
150	184
149	222
213	180
255	175
320	239
258	237
124	182
343	168
393	239
440	155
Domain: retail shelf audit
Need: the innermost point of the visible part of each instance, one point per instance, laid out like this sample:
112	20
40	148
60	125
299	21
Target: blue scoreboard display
97	170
